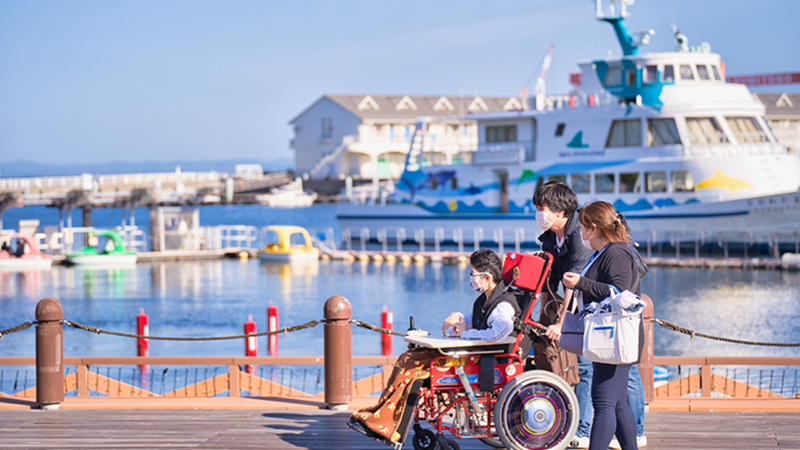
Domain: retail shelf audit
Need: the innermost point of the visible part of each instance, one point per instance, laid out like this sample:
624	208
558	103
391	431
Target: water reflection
214	298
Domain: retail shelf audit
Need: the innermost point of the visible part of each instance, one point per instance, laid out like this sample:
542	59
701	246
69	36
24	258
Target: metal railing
228	236
436	233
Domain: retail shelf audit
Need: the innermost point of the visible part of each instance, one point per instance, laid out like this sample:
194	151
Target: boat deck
321	429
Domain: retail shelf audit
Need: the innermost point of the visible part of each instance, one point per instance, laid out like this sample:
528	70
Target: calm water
214	298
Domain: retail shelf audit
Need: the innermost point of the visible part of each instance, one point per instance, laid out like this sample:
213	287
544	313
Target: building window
746	129
507	133
630	77
704	130
702	72
669	73
604	183
625	133
580	183
716	73
327	128
682	181
662	132
629	182
561	178
650	74
560	129
613	77
655	181
686	72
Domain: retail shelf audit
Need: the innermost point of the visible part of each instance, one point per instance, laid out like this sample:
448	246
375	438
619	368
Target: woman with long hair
611	264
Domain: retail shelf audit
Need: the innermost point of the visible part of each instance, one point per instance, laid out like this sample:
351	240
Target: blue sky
100	81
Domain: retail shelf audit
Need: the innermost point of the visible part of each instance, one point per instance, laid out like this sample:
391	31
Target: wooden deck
269	429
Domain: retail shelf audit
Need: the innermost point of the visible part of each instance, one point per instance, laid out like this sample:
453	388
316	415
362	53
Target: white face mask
541	220
475	284
586	242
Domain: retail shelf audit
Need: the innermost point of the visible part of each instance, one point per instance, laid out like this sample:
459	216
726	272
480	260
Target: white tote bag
614	333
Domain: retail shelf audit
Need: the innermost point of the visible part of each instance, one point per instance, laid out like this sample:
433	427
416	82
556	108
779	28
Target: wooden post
233	380
83	380
646	363
338	353
49	354
705	380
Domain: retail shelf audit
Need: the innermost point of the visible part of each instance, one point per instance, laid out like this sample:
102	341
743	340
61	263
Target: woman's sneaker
641	441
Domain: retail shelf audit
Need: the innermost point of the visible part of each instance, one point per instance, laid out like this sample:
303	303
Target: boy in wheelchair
491	318
534	410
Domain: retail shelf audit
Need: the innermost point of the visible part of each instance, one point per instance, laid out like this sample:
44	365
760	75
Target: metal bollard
338	353
646	364
49	354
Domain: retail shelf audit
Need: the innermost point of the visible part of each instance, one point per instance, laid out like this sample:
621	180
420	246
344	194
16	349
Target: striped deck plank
279	430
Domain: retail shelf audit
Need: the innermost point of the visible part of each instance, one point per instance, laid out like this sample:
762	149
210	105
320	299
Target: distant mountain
22	168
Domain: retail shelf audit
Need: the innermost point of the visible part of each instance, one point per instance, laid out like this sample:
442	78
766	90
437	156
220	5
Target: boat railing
385	234
436	234
677	238
499	238
220	237
746	238
774	239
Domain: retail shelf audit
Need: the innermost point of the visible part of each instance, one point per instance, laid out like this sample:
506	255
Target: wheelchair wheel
494	443
424	439
452	444
536	410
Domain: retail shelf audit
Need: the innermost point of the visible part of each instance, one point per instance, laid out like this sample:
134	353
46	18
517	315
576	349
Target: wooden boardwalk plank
320	429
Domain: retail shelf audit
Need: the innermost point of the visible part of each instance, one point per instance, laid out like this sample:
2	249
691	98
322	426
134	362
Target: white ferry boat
661	136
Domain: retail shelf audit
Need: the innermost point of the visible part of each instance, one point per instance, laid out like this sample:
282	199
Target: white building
783	115
368	136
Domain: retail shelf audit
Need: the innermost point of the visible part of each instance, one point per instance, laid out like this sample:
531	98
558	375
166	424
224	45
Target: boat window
561	178
682	181
297	239
625	133
506	133
716	73
434	183
662	132
629	182
604	183
539	182
669	73
273	237
613	77
560	129
454	183
650	74
746	129
704	130
580	183
686	72
702	72
630	77
655	181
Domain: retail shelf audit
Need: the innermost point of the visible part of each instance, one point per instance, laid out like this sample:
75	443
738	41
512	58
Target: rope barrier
304	326
368	326
692	334
20	327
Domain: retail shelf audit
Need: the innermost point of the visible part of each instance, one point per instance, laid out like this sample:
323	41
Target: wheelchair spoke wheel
424	440
452	444
536	410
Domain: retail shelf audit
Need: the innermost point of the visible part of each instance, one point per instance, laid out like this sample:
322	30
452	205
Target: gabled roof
412	106
780	104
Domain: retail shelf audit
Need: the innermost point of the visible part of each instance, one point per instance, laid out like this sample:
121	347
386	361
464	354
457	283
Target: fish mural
719	180
527	174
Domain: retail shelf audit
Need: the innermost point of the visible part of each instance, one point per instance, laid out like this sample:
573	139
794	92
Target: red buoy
250	344
272	325
387	321
571	101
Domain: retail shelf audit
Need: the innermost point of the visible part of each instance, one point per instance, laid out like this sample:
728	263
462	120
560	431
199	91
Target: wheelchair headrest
526	271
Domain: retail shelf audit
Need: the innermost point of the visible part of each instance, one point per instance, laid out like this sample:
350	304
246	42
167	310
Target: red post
571	101
387	320
591	100
338	353
250	344
272	325
142	329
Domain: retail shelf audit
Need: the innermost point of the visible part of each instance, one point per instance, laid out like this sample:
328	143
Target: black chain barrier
20	327
692	334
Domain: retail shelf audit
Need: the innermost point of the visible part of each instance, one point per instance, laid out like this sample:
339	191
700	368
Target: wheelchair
481	390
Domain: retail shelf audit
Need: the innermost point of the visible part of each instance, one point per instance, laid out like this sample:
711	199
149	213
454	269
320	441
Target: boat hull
754	215
287	258
102	260
22	264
